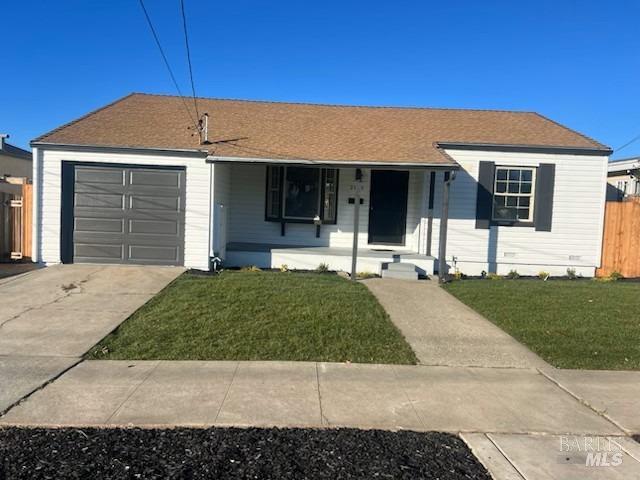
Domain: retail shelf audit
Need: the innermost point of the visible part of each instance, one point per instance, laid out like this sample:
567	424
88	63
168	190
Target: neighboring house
276	183
623	179
15	170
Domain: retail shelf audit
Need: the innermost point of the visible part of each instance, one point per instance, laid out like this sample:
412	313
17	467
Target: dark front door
388	206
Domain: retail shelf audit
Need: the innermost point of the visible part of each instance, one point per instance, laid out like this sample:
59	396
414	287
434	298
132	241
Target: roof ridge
586	137
83	117
339	105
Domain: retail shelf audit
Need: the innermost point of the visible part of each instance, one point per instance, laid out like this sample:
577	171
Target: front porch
301	216
370	260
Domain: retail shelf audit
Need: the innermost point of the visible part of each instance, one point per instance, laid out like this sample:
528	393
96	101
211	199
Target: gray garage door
128	215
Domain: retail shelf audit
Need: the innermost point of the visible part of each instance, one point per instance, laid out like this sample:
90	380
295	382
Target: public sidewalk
452	399
514	419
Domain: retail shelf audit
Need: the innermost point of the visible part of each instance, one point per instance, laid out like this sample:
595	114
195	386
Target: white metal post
356	225
444	219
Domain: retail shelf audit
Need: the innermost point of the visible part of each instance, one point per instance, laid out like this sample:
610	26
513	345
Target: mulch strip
233	453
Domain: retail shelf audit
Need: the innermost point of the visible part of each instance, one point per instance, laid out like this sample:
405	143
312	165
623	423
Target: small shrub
322	268
571	273
251	268
542	275
513	274
365	275
615	276
459	275
494	276
284	267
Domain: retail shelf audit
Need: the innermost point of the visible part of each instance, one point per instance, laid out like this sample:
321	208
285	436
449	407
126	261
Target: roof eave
112	148
335	163
557	149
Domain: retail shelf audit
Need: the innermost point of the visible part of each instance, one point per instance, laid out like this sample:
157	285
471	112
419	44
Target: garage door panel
156	178
99	225
128	215
98	189
93	200
87	252
156	227
154	202
154	254
100	175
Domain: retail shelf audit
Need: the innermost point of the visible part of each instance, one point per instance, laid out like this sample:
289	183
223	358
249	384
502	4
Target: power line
186	42
634	139
166	62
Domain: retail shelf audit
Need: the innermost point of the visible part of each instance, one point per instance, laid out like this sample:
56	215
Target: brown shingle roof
252	129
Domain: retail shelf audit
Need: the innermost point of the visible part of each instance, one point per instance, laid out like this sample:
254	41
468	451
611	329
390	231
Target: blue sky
577	62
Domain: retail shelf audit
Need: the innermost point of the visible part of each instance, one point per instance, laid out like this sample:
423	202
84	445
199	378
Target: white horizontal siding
222	196
246	212
196	248
578	210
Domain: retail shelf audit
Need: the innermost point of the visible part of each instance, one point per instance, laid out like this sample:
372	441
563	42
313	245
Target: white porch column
444	220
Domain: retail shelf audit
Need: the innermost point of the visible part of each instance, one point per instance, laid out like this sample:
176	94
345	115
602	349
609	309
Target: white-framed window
513	194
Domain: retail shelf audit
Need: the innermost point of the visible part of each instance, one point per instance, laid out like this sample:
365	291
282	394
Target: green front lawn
259	316
571	324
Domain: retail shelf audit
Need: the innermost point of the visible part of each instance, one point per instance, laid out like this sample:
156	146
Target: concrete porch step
403	271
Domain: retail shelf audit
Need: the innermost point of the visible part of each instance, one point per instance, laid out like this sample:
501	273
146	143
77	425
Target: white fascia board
343	164
624	165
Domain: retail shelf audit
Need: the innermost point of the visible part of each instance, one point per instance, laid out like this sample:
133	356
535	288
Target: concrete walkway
52	316
444	331
449	399
514	420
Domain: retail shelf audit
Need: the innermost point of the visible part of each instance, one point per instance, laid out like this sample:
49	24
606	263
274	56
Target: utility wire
186	42
166	62
634	139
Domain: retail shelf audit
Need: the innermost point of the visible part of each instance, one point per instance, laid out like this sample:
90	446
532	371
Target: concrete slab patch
615	394
358	394
495	400
123	305
123	279
491	457
20	376
272	393
56	331
553	457
178	393
89	394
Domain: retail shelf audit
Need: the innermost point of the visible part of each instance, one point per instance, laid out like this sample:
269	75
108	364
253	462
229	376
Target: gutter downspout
444	220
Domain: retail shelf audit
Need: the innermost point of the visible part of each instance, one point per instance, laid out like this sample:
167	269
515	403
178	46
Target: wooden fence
621	242
27	216
16	225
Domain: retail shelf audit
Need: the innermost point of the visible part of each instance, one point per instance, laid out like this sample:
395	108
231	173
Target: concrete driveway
50	317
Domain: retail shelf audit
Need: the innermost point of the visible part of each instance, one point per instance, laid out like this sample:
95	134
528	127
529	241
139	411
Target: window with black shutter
301	194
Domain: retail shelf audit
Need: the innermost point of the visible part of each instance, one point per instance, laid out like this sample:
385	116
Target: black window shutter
545	179
484	199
